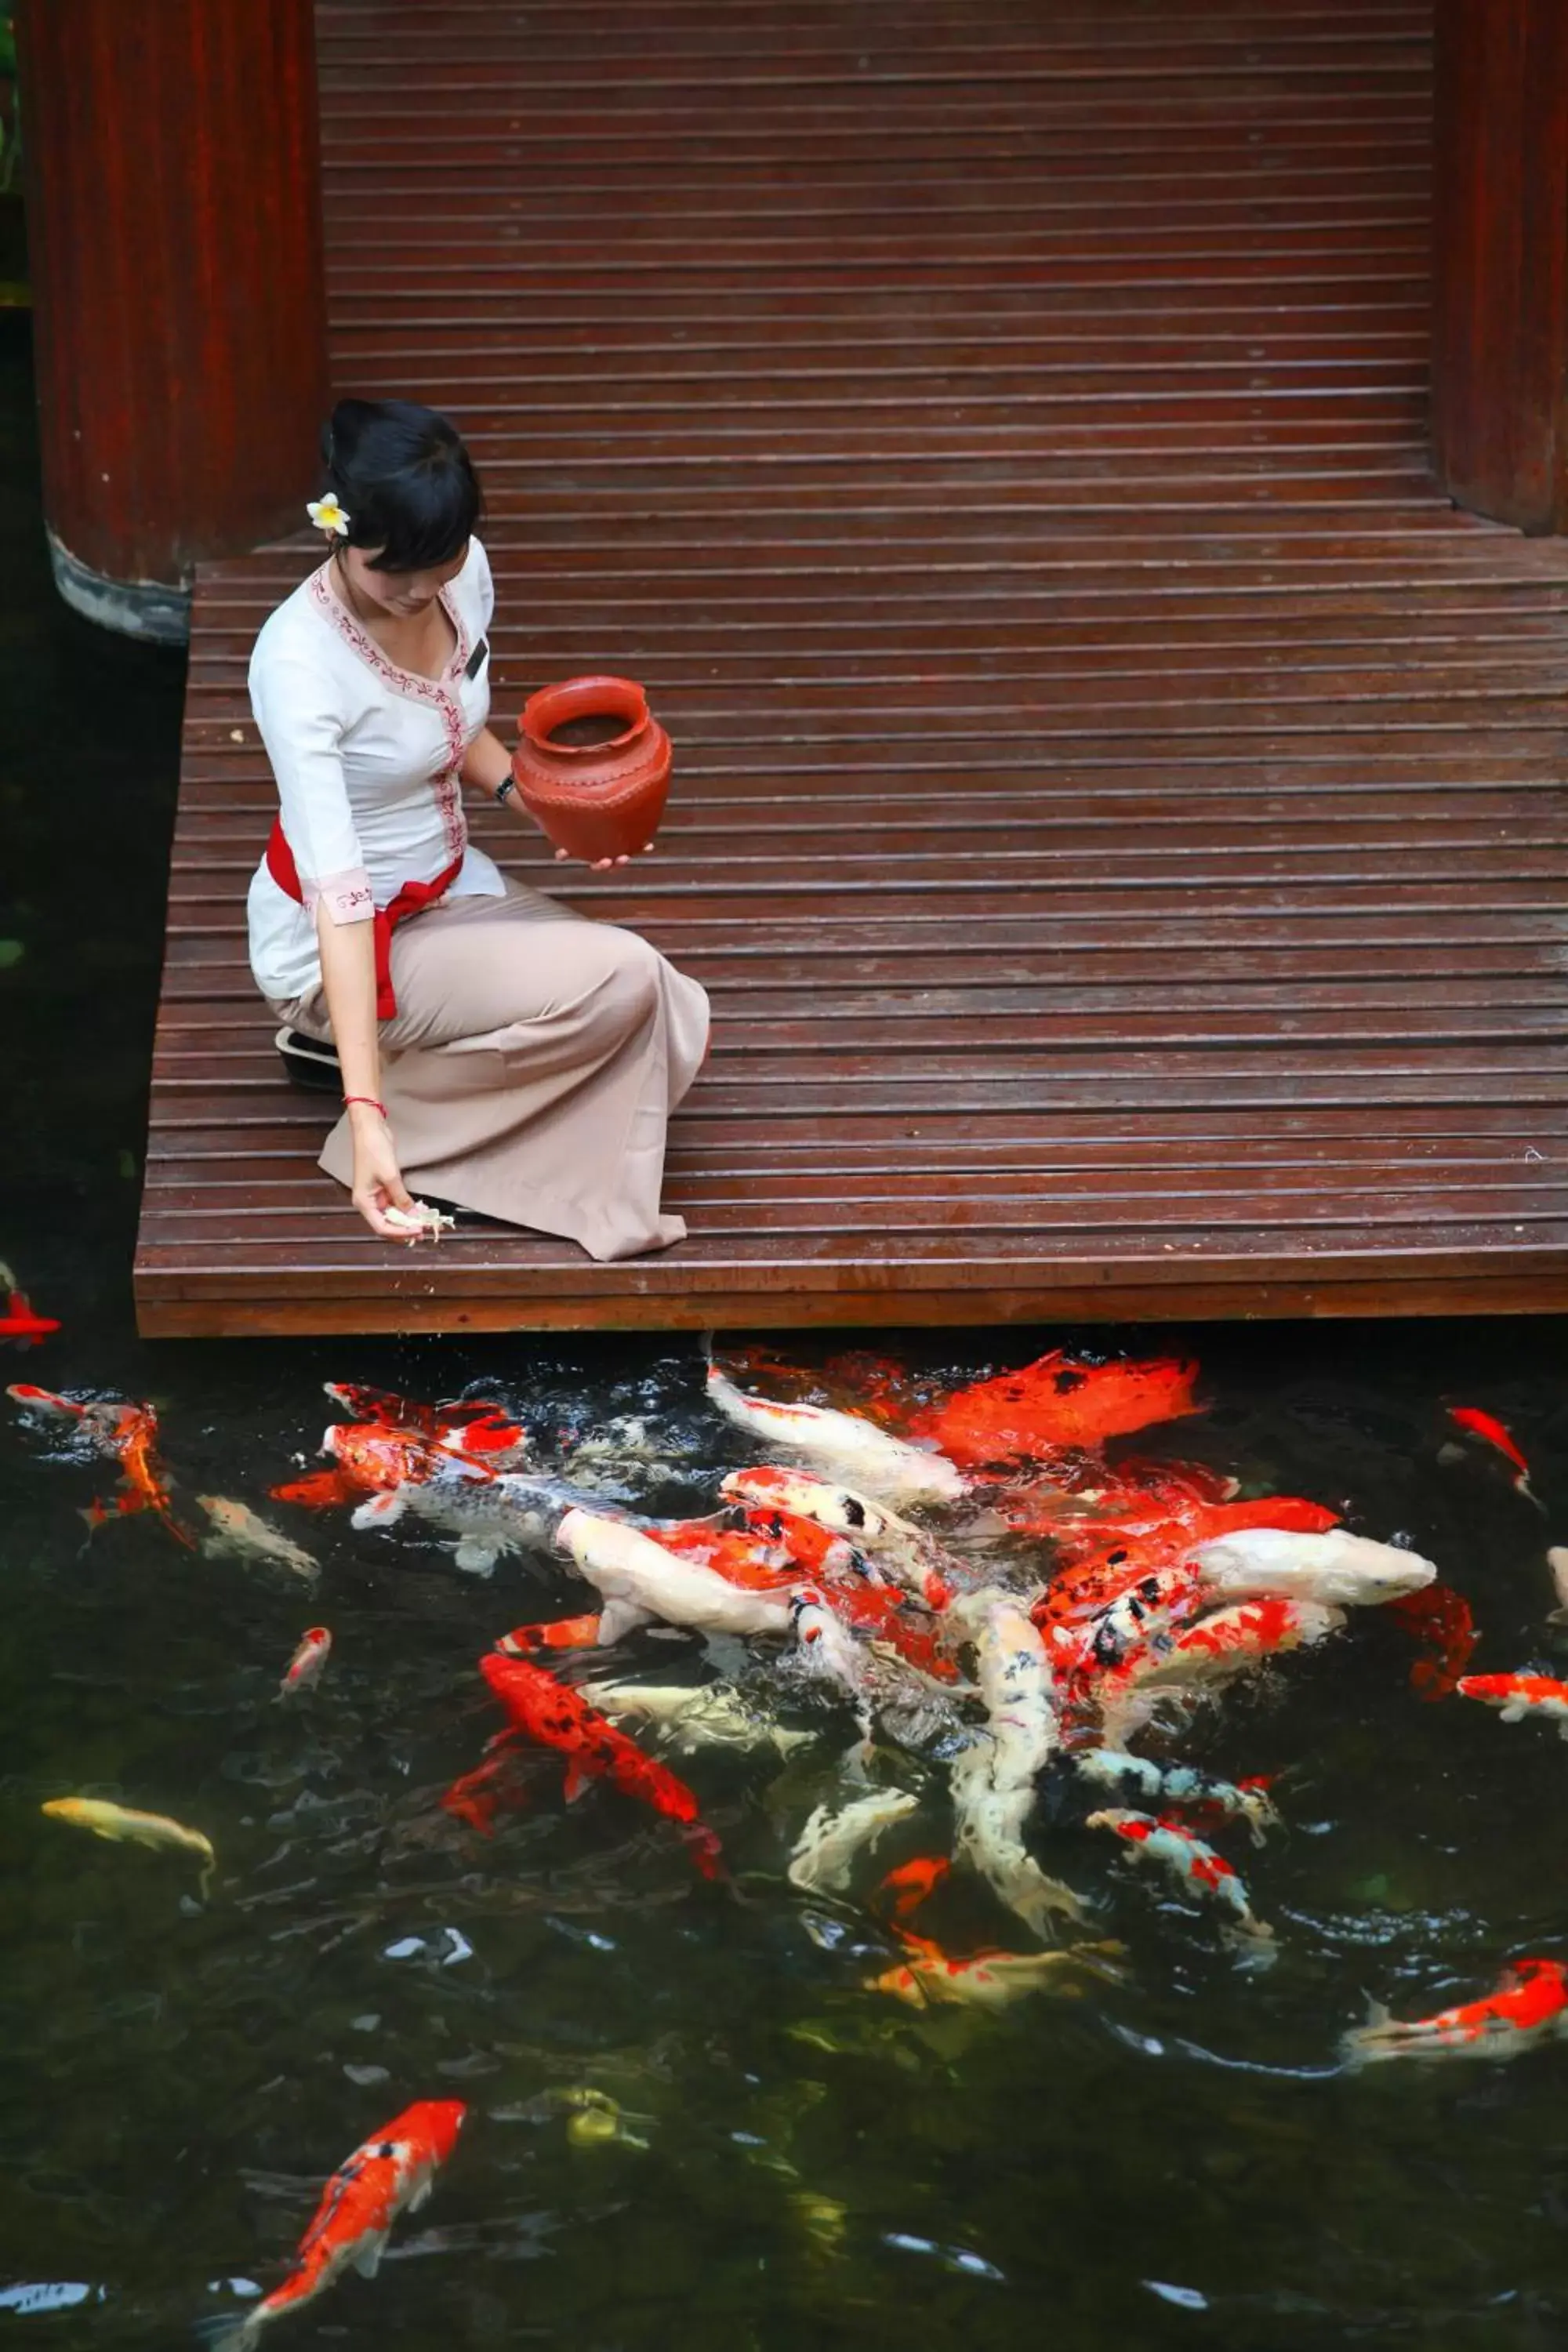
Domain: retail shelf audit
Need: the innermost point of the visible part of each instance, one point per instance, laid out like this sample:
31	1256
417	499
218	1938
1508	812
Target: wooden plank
1118	800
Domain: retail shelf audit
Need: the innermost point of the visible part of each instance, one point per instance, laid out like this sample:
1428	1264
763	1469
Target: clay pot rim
596	696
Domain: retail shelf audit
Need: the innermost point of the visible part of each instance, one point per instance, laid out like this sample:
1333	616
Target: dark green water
1175	2161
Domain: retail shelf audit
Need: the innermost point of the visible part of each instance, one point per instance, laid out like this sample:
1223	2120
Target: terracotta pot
598	799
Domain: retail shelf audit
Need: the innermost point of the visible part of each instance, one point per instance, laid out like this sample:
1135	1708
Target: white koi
1178	1784
694	1715
1557	1562
237	1532
1332	1567
826	1849
854	1448
990	1837
640	1582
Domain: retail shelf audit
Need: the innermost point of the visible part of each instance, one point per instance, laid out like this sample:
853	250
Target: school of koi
969	1578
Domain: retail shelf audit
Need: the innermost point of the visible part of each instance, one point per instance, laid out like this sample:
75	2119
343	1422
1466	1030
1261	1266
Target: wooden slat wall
1118	809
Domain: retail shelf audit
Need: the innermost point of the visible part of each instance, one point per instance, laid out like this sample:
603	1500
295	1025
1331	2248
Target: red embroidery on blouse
433	691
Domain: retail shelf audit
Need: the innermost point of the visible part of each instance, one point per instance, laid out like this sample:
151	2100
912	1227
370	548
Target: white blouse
367	757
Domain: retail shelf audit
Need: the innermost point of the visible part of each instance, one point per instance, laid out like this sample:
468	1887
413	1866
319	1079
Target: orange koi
1530	2005
913	1884
18	1323
127	1433
1056	1402
308	1664
556	1634
1440	1620
548	1711
745	1558
320	1490
990	1980
1486	1427
1517	1695
390	2173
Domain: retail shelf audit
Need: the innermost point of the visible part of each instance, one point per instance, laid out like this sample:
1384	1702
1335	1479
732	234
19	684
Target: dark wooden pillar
173	214
1499	352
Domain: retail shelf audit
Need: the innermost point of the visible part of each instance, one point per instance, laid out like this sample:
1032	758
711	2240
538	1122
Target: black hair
405	480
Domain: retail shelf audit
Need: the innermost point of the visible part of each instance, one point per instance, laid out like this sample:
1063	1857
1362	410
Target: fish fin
618	1618
382	1510
475	1558
1514	1712
367	2261
577	1781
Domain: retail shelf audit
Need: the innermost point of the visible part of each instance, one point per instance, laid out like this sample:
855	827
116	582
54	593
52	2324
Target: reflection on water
689	2120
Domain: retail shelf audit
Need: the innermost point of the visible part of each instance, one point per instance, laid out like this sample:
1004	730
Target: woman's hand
604	865
378	1182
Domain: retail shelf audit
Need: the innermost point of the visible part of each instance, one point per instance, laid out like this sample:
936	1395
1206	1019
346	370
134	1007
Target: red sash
412	899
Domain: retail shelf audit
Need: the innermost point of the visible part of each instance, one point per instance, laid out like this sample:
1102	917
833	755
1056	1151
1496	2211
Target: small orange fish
391	2172
1486	1427
1519	1694
127	1433
18	1324
1530	2005
555	1634
912	1883
308	1664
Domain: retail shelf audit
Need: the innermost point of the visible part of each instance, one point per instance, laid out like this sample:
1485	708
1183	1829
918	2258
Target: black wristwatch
502	789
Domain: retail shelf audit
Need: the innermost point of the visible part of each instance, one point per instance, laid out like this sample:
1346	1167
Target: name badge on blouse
478	659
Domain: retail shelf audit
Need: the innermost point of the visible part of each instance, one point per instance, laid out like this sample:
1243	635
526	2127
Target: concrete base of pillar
148	609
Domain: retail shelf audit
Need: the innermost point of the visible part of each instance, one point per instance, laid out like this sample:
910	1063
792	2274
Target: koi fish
1094	1575
826	1850
1014	1683
18	1324
127	1433
895	1543
1179	1784
1228	1641
830	1651
887	1468
1490	1431
695	1715
1517	1695
390	2173
556	1634
989	1834
1058	1403
1557	1562
933	1980
1337	1569
489	1512
742	1556
308	1664
124	1826
913	1884
547	1711
1440	1620
477	1426
1154	1607
640	1581
1195	1866
237	1531
1530	2005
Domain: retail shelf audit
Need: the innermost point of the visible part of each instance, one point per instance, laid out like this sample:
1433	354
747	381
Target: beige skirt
531	1067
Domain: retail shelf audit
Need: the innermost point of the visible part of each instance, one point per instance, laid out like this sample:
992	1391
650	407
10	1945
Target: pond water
1176	2158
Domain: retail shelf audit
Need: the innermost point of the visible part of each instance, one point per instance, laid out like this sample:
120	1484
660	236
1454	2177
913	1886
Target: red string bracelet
365	1098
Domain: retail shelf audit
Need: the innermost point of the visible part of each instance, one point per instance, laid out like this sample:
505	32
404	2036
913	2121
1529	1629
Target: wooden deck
1117	808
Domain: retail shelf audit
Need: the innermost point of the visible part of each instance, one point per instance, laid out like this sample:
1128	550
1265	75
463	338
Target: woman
496	1049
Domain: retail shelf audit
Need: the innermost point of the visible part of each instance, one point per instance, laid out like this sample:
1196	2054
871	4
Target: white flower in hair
327	515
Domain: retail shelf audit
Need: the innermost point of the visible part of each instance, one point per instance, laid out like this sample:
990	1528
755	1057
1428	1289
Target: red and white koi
640	1583
1335	1568
829	1845
1195	1866
1529	2006
390	2173
1492	1432
309	1662
895	1545
887	1468
127	1433
1517	1695
1179	1784
1213	1649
